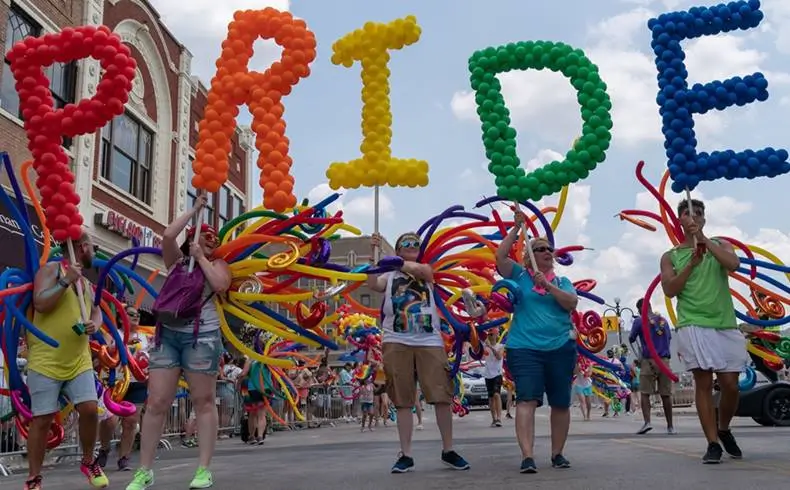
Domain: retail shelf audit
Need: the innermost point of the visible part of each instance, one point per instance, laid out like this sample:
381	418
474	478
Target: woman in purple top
651	379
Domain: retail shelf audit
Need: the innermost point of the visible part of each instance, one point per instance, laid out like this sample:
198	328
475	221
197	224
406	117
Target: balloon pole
196	239
691	213
377	249
528	245
80	292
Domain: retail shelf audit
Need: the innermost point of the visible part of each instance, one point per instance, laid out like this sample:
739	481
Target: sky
434	116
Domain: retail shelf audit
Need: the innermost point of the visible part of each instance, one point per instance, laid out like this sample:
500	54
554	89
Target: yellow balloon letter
377	167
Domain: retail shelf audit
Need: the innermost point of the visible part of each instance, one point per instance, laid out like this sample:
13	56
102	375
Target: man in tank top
68	368
696	273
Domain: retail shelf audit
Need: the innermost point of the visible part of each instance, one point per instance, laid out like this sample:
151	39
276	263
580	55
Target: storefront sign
123	226
10	225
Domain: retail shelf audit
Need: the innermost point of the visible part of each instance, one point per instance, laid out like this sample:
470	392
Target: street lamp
618	311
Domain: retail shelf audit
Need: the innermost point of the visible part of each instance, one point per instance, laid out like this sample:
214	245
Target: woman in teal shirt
541	350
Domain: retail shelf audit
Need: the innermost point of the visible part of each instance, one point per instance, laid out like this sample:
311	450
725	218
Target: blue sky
434	118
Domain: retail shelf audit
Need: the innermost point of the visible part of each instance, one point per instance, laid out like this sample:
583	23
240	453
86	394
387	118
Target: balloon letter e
678	102
499	138
377	167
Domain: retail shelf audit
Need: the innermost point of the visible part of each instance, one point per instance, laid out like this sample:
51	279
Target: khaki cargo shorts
404	365
652	381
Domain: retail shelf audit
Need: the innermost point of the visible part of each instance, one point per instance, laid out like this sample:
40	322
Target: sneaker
404	464
559	461
420	427
142	480
528	466
101	458
498	423
671	431
33	483
645	429
728	441
713	454
203	479
454	460
95	474
123	464
508	416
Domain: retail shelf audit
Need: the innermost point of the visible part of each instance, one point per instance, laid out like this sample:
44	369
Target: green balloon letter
499	137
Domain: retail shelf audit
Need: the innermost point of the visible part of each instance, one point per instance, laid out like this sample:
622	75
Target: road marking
680	452
175	466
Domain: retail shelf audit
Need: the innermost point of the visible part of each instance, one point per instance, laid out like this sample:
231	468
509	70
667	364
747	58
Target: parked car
766	403
475	392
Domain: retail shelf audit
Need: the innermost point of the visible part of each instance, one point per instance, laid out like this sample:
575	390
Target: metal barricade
179	423
323	406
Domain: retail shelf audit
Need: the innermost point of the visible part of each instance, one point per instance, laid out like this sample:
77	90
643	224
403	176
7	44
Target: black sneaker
728	441
559	461
713	454
528	466
101	458
404	464
454	460
508	416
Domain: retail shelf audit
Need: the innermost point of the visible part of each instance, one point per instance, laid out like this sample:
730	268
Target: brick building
134	174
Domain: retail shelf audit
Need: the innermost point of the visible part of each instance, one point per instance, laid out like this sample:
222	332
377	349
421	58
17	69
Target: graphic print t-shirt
409	312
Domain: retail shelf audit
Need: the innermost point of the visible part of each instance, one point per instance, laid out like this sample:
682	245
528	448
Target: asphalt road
605	454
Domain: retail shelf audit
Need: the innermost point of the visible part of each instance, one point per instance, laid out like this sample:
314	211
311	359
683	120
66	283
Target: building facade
134	175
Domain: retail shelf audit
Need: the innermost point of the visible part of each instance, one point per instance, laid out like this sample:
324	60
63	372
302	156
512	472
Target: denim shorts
538	372
182	350
45	391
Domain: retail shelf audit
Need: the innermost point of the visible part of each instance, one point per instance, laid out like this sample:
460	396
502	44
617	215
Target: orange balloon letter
234	84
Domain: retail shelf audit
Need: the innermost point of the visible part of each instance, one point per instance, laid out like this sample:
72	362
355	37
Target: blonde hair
537	241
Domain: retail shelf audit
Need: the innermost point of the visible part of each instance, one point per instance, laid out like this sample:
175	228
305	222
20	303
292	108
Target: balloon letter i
370	46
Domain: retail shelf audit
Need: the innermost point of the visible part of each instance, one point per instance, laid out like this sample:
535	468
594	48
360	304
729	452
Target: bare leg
444	419
405	424
106	431
703	397
728	405
129	430
525	427
646	407
203	392
560	420
162	385
418	409
666	401
88	425
588	404
37	442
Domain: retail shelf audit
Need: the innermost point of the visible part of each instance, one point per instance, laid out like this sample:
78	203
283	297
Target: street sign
611	323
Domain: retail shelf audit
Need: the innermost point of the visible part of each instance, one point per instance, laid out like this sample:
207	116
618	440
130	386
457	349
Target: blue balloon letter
678	103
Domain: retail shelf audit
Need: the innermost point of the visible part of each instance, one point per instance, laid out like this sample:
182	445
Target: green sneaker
142	480
203	479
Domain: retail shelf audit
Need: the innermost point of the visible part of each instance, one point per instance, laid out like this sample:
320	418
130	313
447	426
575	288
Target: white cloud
542	104
202	25
357	211
778	13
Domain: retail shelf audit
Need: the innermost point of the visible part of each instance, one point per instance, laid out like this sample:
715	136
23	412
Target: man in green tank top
696	273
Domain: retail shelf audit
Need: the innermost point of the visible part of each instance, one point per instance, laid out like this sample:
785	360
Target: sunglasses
409	243
133	315
543	249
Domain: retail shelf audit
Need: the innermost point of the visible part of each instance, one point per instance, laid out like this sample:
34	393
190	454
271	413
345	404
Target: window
127	149
365	299
224	206
238	206
351	260
62	76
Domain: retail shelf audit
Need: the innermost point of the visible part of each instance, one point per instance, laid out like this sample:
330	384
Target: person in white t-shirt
413	349
494	354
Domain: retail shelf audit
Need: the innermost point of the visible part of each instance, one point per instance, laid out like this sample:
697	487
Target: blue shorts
182	350
536	373
583	390
137	393
367	407
45	391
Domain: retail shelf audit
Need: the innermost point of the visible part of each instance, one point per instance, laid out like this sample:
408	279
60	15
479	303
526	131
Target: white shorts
710	349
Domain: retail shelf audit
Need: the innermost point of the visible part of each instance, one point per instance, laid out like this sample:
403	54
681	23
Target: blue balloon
678	103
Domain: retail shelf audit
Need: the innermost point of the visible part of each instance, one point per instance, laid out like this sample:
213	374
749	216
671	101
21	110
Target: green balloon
499	137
